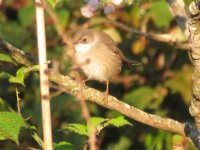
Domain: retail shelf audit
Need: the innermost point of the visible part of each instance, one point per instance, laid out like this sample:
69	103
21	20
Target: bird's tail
129	63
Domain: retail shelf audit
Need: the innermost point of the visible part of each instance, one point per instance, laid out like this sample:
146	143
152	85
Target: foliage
98	123
161	86
11	124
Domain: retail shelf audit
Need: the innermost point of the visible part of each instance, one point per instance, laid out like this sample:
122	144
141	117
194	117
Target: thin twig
165	38
85	111
44	81
18	101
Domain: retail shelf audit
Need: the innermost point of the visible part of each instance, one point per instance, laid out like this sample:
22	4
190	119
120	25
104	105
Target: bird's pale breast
99	63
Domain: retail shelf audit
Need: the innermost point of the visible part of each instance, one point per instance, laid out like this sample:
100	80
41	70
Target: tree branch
97	97
165	38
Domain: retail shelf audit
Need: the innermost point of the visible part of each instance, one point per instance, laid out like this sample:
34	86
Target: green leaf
10	126
20	75
119	121
6	58
160	14
98	123
19	78
26	15
63	17
77	128
63	146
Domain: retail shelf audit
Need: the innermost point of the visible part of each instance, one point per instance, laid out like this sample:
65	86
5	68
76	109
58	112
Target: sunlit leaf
20	75
98	123
114	33
19	78
10	126
77	128
119	121
6	58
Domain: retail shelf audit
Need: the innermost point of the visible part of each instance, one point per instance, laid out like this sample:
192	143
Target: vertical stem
44	83
18	101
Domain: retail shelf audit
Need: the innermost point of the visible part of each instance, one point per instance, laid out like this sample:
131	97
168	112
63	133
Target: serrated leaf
119	121
19	78
98	123
6	58
20	75
10	126
63	146
77	128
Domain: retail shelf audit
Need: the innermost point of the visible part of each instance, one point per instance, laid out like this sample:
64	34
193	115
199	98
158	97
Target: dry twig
165	38
85	111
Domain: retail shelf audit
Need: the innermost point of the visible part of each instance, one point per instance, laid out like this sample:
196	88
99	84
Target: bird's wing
113	47
127	62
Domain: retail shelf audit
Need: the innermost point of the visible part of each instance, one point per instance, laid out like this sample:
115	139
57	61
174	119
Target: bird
98	56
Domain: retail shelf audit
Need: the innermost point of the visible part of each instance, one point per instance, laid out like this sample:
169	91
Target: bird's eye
84	40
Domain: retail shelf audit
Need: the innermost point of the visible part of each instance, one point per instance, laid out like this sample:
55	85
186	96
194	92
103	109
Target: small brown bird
98	55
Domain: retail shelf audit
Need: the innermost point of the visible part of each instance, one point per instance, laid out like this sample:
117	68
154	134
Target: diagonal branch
96	96
164	38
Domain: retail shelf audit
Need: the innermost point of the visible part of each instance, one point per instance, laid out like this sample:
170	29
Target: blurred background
162	86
